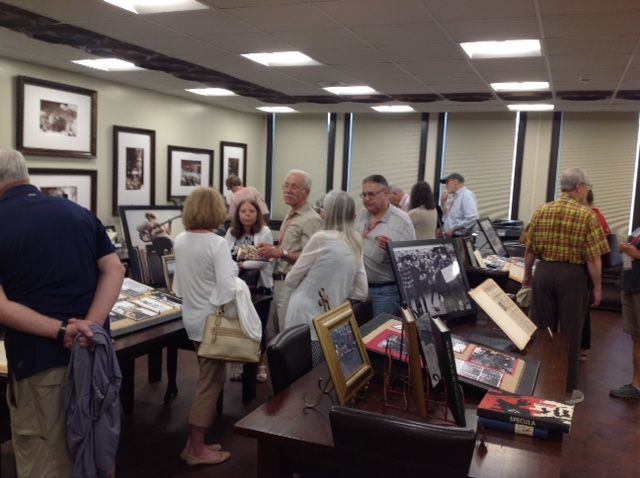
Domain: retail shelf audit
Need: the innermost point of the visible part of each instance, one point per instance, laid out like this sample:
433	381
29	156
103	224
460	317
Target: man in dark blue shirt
58	274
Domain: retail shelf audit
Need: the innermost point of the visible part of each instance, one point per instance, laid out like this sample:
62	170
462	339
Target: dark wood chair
370	444
289	355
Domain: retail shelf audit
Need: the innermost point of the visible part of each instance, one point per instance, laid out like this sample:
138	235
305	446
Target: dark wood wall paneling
271	133
517	174
331	150
346	150
554	155
422	155
442	121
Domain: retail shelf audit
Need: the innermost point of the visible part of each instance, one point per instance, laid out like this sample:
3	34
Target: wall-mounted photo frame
492	238
77	185
233	160
54	119
134	162
149	233
344	351
188	169
431	278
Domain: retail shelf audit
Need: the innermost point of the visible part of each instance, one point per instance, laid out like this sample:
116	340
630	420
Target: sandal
261	376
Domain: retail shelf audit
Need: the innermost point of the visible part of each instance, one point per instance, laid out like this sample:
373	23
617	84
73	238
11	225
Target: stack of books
524	415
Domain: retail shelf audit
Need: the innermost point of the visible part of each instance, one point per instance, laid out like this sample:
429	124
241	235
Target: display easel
327	388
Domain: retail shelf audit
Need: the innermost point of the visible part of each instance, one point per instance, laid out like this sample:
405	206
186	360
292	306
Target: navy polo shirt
49	249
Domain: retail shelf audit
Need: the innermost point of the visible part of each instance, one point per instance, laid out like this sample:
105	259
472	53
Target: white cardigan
266	267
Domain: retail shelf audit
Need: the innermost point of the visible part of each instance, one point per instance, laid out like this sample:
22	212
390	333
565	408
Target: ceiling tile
447	10
423	52
404	34
376	12
595	74
572	7
502	29
342	56
602	24
325	38
284	17
457	66
581	62
580	86
251	42
201	22
367	70
72	10
513	65
129	29
590	45
470	87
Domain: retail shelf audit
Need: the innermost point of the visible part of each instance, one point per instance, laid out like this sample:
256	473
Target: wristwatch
285	253
62	331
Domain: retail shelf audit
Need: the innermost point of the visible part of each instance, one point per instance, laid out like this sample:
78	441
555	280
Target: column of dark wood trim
439	153
635	222
554	156
517	173
346	151
331	150
271	132
422	158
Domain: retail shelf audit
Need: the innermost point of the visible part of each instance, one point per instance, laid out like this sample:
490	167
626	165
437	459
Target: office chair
363	310
289	355
370	444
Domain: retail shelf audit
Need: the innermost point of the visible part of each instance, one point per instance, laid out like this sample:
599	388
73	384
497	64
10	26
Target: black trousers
560	301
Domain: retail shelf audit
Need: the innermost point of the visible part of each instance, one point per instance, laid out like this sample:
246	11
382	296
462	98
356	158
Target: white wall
176	121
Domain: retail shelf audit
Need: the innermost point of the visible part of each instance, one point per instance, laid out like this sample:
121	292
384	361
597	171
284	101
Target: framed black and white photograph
491	237
77	185
149	233
188	169
134	159
233	161
54	119
431	278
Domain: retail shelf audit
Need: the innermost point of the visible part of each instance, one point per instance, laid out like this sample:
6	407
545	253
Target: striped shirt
565	231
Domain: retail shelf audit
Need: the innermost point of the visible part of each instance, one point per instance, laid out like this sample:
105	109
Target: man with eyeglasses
459	205
565	235
297	228
380	223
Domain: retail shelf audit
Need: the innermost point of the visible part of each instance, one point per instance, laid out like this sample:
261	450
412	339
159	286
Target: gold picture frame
344	351
168	269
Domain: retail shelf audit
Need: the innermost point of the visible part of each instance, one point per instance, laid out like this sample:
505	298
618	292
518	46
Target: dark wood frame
486	226
21	84
178	149
152	165
223	175
92	173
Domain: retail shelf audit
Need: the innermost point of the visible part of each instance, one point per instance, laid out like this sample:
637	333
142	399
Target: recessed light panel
108	64
531	107
502	49
281	58
393	108
211	91
350	90
276	109
521	86
157	6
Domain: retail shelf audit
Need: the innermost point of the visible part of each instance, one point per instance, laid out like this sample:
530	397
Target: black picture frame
54	119
145	247
431	278
491	235
188	168
77	185
134	151
233	160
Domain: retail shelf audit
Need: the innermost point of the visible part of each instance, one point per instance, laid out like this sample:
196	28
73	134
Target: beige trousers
211	377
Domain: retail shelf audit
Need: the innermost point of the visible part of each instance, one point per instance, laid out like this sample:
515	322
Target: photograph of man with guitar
158	234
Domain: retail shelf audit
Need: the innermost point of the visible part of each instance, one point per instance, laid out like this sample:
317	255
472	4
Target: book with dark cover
446	360
507	427
526	410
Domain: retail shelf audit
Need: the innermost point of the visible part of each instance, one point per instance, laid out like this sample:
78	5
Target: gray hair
395	189
304	174
13	167
339	215
571	178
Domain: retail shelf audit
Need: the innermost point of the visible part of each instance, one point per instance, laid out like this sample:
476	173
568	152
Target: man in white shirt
459	205
399	198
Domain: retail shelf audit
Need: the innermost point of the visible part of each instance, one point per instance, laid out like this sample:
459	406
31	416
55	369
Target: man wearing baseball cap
459	205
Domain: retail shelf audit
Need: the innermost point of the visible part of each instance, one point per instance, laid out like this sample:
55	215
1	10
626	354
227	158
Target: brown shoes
196	461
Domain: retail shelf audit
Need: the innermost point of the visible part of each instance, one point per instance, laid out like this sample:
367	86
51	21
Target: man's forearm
529	259
107	290
595	272
24	319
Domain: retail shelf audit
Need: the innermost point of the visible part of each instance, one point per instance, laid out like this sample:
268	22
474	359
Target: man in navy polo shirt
58	274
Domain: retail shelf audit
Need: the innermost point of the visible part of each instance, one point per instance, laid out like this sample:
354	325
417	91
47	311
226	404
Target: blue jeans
385	299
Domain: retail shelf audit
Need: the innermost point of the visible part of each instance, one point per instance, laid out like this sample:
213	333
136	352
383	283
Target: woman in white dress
204	278
422	211
331	260
248	229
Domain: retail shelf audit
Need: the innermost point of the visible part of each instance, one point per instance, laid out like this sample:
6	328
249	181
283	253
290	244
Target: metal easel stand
395	385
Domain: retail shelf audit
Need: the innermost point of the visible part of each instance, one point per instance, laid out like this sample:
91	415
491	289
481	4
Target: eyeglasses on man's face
371	194
293	187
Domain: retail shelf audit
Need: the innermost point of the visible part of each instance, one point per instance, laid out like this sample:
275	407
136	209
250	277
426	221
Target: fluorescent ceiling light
502	49
350	90
521	86
211	91
276	109
108	64
393	108
157	6
281	58
531	107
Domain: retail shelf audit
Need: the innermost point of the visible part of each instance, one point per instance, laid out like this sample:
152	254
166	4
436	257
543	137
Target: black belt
373	285
279	276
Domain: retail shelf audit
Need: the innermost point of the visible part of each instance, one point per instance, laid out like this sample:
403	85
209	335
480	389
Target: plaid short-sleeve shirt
565	231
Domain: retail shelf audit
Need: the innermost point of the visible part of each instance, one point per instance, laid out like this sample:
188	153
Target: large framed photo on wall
77	185
134	160
53	119
233	161
189	168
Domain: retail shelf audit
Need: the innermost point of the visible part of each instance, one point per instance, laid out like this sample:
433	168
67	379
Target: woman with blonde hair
331	260
204	278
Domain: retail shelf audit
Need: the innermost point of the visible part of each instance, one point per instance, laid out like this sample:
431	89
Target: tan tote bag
224	340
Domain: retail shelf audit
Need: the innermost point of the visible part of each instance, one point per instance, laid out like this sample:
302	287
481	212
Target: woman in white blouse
331	260
248	228
204	278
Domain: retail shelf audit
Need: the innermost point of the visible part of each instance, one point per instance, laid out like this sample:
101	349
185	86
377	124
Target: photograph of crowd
58	118
190	173
430	278
347	350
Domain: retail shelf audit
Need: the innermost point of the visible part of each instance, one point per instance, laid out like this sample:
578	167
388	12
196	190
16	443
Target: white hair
339	215
571	178
307	177
13	167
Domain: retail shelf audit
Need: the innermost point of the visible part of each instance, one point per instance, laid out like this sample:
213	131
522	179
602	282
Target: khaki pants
281	295
38	427
211	379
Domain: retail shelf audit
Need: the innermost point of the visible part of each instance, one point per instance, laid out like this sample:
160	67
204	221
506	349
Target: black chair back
289	355
370	444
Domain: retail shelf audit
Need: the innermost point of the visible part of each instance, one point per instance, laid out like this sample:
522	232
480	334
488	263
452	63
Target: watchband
285	253
62	331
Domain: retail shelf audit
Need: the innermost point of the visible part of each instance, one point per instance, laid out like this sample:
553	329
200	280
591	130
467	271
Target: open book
504	312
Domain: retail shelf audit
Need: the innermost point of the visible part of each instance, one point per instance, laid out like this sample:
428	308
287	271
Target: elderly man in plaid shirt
565	236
